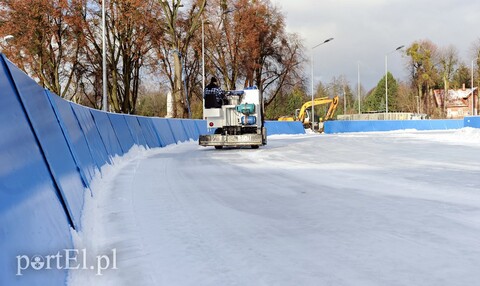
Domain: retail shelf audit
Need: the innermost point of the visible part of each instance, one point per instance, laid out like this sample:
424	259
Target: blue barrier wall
164	131
149	131
190	128
178	130
339	126
105	129
75	137
122	131
284	127
135	130
90	131
201	126
50	150
52	142
33	219
472	121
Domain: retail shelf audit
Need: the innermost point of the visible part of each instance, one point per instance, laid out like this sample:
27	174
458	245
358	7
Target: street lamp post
386	77
324	42
358	87
104	59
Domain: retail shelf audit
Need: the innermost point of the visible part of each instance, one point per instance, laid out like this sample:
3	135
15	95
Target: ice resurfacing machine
239	121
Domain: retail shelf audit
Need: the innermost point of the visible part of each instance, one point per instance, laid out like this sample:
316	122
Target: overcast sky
365	30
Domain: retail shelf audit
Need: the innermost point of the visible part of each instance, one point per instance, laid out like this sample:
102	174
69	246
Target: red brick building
458	103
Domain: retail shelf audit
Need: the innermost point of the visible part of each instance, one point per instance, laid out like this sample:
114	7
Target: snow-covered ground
392	208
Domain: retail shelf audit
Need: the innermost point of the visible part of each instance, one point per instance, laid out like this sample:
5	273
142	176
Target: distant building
383	116
458	103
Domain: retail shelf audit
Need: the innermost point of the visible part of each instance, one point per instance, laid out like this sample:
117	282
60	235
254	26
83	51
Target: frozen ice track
376	209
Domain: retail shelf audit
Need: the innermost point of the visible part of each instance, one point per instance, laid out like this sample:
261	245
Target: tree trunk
179	111
114	92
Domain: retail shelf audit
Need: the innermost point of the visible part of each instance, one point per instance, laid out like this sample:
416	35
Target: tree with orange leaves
59	43
47	40
249	46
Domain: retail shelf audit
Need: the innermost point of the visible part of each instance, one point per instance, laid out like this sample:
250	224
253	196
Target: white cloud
366	30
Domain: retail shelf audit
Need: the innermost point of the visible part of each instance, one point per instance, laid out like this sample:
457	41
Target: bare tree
129	24
179	30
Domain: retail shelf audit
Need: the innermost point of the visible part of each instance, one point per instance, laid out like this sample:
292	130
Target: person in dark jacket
213	94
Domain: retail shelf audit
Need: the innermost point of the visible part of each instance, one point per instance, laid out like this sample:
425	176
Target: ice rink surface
391	208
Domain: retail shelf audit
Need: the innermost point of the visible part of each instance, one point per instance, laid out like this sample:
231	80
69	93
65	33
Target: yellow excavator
303	114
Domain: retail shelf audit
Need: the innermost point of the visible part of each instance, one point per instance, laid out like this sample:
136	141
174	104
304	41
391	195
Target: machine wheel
255	146
218	131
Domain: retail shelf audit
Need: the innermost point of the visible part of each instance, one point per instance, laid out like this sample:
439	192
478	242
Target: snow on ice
386	208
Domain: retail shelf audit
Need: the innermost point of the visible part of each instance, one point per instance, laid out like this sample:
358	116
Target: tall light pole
358	87
324	42
386	77
104	59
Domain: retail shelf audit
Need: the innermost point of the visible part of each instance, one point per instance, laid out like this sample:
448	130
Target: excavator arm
319	101
331	109
308	104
